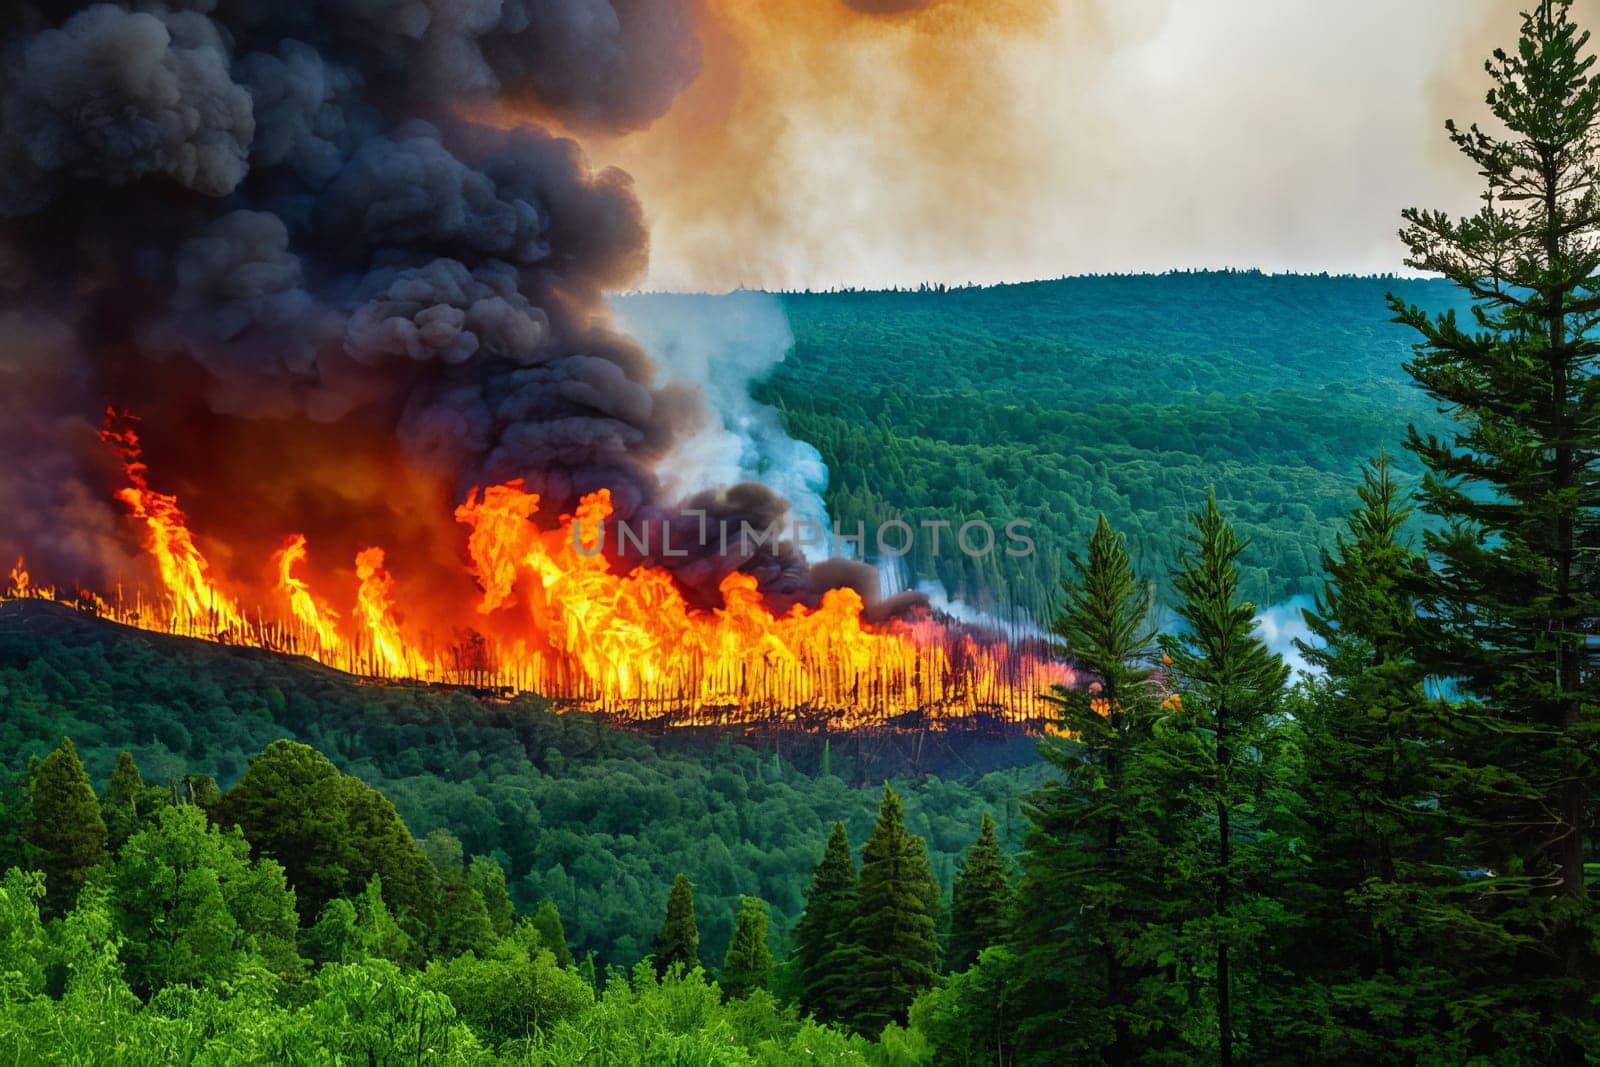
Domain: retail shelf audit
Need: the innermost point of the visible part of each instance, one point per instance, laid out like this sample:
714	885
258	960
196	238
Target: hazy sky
974	141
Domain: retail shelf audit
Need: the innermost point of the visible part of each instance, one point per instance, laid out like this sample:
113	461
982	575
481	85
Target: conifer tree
894	929
679	940
1376	913
67	831
747	966
980	900
1229	686
1514	596
119	805
552	935
1093	904
822	937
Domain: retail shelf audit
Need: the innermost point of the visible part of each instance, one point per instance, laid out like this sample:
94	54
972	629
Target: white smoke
894	577
725	345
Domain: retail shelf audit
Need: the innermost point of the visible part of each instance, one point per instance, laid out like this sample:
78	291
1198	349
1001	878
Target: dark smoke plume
276	233
279	212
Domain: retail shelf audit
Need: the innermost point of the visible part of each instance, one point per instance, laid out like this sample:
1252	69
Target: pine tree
119	806
552	935
1514	595
1229	685
980	900
822	937
1093	913
747	966
1378	920
67	831
678	943
894	928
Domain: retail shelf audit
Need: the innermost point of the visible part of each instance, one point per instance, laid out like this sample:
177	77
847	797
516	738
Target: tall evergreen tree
1514	597
119	805
1091	911
747	966
980	900
822	937
894	928
1229	685
67	832
1376	911
679	939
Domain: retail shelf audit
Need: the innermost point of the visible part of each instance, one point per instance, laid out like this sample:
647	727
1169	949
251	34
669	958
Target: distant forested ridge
1054	401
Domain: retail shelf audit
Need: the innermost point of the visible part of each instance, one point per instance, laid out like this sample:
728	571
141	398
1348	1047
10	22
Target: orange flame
19	580
317	618
184	571
555	618
375	602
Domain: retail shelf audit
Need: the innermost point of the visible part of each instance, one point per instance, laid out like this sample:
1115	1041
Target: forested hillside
1054	401
595	819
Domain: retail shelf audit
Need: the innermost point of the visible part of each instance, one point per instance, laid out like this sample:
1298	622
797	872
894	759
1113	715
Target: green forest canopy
1054	401
595	819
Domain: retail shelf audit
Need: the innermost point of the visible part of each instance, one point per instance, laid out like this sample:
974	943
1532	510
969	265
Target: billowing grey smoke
47	486
116	95
284	214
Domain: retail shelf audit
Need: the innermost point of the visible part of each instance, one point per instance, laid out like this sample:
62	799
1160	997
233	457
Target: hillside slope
597	819
1054	401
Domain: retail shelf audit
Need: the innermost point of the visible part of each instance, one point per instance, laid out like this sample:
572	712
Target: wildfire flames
555	618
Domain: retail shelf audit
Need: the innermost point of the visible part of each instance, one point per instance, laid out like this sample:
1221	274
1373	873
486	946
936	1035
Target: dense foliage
1392	863
894	929
596	820
1056	401
191	943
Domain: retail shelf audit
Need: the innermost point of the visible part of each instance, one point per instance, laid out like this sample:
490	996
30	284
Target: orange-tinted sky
883	142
